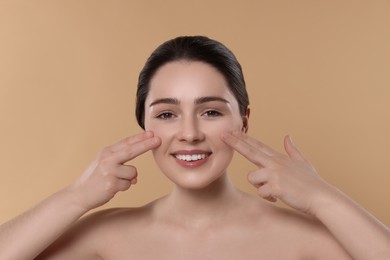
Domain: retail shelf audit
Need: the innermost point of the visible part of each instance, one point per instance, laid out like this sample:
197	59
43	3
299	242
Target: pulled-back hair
192	48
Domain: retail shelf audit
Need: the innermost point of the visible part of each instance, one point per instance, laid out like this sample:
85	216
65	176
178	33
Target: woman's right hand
108	173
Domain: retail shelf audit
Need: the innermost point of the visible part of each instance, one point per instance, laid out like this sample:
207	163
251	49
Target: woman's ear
245	120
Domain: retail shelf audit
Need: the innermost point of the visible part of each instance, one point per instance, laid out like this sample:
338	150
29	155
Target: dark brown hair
193	48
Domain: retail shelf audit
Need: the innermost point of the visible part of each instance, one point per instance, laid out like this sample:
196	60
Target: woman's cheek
158	129
225	126
162	131
216	132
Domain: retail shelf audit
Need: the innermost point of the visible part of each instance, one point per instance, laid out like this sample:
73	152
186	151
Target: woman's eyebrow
206	99
198	101
172	101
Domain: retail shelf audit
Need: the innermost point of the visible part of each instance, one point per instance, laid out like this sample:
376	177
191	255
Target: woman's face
188	106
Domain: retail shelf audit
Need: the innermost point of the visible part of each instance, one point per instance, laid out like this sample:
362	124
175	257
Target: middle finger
255	143
252	153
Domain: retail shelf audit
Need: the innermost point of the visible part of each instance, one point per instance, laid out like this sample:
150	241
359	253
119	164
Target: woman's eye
165	115
212	113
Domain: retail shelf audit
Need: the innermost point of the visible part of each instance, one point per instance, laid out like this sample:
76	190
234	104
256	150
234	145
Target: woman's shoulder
120	218
91	234
296	229
277	215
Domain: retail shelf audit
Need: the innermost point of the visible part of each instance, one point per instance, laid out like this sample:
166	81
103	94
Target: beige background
318	70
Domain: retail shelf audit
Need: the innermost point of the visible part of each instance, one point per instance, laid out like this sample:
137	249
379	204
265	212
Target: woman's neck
203	206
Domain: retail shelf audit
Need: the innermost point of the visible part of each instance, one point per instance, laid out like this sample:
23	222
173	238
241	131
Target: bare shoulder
106	226
89	237
115	218
297	231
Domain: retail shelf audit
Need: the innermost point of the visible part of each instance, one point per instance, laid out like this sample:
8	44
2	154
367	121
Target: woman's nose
190	131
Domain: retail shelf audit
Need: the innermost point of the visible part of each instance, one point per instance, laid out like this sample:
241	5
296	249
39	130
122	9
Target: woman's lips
191	159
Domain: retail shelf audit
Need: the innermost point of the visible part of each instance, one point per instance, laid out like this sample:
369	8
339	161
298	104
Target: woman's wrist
327	201
361	234
73	200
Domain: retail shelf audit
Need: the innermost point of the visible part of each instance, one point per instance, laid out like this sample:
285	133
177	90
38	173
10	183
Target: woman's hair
192	48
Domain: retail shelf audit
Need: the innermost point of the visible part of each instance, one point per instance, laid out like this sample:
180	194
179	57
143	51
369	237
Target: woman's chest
201	245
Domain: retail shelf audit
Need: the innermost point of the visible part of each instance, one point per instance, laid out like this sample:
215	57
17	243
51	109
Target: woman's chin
197	184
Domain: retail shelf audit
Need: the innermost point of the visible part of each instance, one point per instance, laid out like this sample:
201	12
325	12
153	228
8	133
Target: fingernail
149	133
156	140
235	132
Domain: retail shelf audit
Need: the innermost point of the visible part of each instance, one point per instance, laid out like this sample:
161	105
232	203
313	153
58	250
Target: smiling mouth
191	157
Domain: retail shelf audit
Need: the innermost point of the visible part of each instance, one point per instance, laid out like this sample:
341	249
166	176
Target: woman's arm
30	233
26	236
292	179
360	233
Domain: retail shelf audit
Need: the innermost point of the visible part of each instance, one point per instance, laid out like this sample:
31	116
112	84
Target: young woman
193	106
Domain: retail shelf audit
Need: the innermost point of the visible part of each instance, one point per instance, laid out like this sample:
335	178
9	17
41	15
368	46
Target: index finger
255	143
130	140
253	154
129	151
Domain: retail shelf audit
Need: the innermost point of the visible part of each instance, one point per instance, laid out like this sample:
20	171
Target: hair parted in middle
193	48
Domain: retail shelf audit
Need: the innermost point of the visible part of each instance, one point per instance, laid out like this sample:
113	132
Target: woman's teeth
192	157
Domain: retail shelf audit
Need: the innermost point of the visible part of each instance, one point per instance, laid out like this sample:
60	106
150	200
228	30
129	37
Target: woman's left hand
290	178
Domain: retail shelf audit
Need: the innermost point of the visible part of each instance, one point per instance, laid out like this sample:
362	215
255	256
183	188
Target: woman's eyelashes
209	114
165	115
212	113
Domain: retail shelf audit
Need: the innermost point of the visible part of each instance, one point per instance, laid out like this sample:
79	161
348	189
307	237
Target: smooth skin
205	216
32	232
292	179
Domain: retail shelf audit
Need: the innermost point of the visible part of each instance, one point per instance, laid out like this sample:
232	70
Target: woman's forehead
183	79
